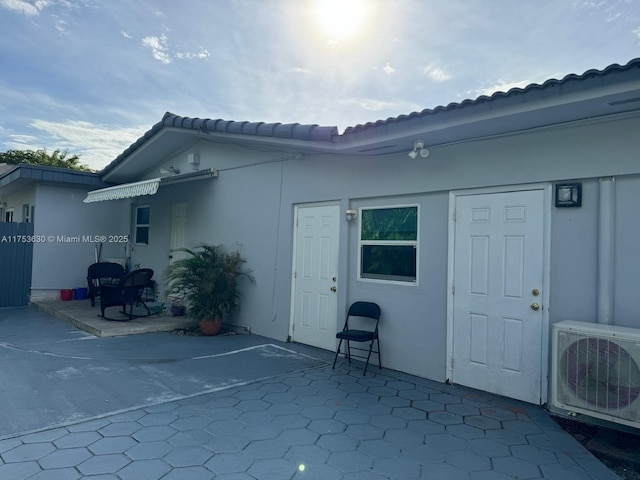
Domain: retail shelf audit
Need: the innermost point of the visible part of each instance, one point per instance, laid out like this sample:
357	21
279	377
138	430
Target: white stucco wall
250	206
64	220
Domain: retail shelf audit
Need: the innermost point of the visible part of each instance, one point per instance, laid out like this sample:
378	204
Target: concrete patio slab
80	314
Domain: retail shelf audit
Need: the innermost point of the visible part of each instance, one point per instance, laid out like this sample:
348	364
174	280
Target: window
8	215
389	244
142	225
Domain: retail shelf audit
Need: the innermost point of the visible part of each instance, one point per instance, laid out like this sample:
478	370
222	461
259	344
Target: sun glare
341	19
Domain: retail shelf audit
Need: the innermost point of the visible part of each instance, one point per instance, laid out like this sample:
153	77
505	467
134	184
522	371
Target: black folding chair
100	273
367	312
127	292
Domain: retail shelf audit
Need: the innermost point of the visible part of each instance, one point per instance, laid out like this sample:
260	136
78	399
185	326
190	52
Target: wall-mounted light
418	148
170	170
568	195
193	159
351	215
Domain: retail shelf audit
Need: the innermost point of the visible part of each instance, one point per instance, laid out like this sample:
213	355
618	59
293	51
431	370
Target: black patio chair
369	315
100	273
126	292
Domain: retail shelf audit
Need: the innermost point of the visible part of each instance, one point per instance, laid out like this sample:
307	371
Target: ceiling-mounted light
170	170
418	148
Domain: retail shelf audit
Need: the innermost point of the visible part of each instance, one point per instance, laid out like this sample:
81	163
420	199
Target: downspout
606	249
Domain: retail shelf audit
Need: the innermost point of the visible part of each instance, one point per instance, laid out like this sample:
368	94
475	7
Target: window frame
415	243
8	215
27	213
137	225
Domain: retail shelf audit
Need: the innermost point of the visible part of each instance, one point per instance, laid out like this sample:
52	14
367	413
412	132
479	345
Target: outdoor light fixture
418	148
568	195
351	215
170	170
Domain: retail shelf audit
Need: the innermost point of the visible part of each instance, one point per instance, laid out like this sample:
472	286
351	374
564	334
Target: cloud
636	32
126	34
158	46
96	144
388	69
436	74
163	53
24	6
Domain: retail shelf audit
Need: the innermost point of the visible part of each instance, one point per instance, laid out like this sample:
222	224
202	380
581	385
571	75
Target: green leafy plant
208	279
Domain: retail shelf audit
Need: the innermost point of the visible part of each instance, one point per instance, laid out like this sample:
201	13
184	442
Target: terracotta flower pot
210	327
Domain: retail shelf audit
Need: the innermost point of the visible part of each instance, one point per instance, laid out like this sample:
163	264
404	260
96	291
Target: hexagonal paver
298	436
428	405
279	397
462	409
119	428
193	422
379	448
272	468
328	426
112	445
364	432
526	428
425	426
350	461
424	454
485	423
498	413
316	413
307	455
446	418
337	442
227	443
45	436
25	453
149	450
489	448
468	461
404	437
188	473
190	438
516	468
465	431
444	470
266	449
147	469
153	419
352	417
444	442
77	439
397	468
188	456
234	462
291	421
68	457
445	398
318	472
154	433
533	454
103	464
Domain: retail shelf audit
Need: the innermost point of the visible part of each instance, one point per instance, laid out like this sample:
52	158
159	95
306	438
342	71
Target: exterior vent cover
596	371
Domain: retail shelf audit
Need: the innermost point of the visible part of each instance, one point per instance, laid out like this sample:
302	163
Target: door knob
535	306
333	289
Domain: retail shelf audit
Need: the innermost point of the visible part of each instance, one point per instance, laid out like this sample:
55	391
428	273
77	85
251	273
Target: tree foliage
57	158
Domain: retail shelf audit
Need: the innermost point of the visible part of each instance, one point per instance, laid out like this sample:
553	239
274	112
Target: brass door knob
535	306
333	289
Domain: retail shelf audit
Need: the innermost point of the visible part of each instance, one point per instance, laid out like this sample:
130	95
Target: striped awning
126	190
146	187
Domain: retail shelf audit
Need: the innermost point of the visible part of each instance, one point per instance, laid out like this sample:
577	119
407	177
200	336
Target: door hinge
453	289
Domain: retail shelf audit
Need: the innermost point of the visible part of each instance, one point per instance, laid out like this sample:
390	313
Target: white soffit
126	190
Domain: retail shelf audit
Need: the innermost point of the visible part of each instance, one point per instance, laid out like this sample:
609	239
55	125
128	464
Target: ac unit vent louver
596	371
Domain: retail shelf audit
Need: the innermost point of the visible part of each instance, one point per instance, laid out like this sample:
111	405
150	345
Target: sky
92	76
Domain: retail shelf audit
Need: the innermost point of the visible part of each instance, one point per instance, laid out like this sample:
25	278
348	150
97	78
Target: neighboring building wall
250	206
17	200
64	221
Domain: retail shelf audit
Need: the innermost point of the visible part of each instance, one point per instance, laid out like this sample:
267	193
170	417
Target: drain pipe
606	249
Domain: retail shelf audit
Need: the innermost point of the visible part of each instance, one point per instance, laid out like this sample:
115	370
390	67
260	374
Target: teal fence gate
16	257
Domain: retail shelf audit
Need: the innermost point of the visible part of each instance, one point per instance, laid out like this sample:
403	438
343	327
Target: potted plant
208	280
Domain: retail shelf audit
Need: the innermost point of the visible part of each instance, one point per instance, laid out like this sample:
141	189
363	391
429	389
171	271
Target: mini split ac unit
596	371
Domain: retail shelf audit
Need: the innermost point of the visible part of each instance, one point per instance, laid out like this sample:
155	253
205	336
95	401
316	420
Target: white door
315	283
178	230
497	306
